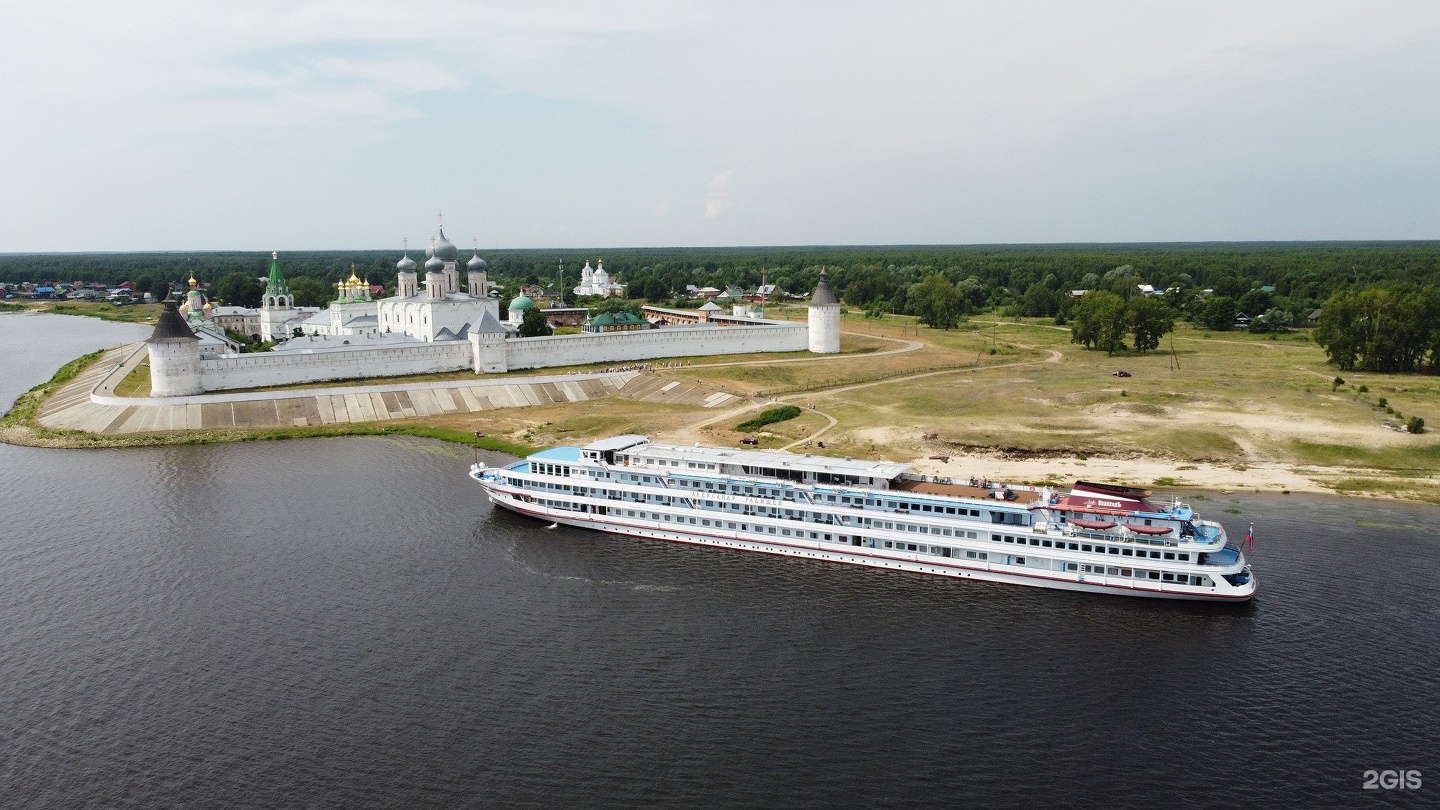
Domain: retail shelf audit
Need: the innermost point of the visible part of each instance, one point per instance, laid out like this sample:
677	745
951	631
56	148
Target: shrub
1339	381
769	417
1415	425
1382	403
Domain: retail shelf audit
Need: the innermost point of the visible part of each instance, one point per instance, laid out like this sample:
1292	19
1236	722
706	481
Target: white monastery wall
650	344
284	368
264	369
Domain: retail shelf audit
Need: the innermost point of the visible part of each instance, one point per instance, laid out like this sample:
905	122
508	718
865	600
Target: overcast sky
152	125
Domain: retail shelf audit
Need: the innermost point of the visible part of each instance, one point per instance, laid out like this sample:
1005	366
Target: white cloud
919	121
718	195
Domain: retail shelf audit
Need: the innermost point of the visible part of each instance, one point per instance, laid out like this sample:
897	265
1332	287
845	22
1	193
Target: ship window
1126	552
785	532
1045	543
1168	577
1169	555
925	507
1113	550
1071	567
729	525
887	544
771	530
1154	575
1084	548
1112	571
912	547
1035	542
1184	558
945	532
1019	560
1125	572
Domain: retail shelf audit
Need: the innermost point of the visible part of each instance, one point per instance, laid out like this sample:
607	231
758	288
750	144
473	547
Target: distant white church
596	281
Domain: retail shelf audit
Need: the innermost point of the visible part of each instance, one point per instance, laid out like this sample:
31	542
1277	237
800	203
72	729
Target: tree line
1275	285
1389	327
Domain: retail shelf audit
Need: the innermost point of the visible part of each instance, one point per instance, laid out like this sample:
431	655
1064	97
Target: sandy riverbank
1135	472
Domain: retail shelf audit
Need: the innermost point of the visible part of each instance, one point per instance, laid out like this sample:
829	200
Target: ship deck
960	491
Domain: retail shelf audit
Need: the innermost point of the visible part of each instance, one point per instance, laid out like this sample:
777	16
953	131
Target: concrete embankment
85	404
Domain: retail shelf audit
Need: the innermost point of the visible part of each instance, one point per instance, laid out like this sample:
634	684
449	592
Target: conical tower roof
171	326
824	296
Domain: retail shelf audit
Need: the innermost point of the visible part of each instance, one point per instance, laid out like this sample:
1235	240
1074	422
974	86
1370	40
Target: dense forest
1272	285
1303	272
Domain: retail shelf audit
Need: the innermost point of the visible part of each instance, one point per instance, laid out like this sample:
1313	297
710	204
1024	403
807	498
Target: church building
441	311
596	281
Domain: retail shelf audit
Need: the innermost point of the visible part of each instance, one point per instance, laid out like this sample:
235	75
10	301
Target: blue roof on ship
558	454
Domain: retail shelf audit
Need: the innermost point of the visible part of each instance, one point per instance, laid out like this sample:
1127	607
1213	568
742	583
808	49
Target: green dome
521	302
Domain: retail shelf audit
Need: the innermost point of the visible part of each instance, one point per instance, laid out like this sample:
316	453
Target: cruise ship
1095	538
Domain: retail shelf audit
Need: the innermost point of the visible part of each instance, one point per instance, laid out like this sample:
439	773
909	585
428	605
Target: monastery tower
824	318
174	356
277	308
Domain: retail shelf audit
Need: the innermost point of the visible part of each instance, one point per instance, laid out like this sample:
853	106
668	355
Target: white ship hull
875	558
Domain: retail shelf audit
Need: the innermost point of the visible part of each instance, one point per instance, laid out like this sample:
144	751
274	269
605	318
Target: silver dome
445	249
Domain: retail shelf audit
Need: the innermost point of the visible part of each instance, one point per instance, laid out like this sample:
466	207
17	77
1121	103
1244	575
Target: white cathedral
439	312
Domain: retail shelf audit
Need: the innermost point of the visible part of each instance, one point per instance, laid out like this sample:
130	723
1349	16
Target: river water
343	623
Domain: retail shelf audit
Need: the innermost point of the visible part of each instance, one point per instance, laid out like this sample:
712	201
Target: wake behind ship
1097	538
